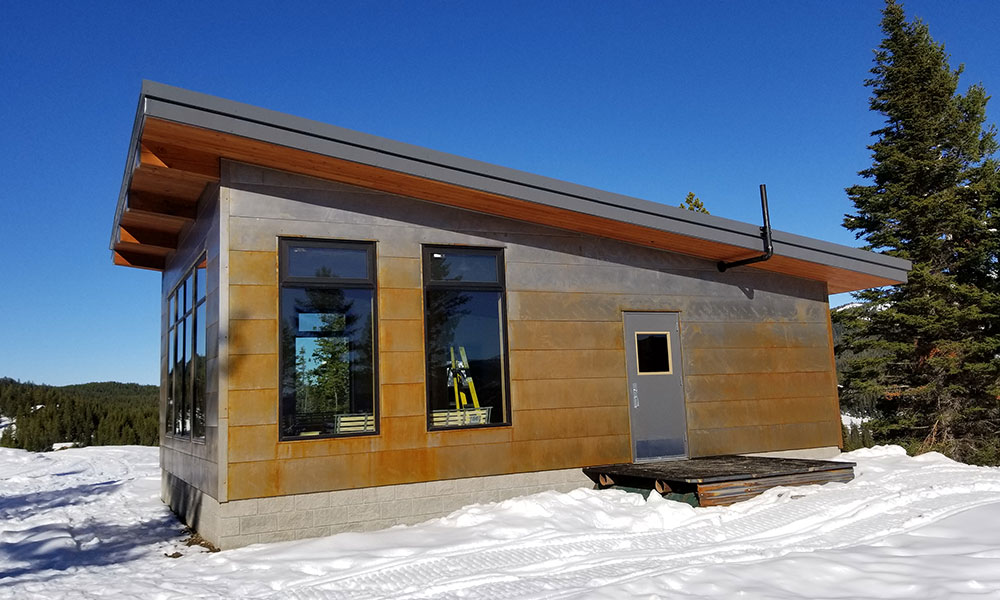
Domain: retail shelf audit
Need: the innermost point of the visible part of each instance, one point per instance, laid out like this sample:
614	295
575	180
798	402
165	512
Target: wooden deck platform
721	480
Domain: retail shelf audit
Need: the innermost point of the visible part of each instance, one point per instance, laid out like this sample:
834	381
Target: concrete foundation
243	522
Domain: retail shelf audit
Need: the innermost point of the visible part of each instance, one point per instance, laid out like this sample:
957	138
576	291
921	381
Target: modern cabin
358	332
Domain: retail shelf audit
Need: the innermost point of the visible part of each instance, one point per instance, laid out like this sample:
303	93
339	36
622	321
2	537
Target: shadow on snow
55	547
24	505
60	546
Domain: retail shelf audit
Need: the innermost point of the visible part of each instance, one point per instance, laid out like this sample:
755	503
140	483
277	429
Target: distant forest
89	414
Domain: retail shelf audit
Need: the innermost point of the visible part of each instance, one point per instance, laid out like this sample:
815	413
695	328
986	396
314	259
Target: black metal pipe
765	234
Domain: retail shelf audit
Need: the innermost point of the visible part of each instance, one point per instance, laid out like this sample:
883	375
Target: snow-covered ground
848	420
86	523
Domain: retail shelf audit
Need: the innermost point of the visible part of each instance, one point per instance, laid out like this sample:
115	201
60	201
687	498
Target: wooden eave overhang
180	137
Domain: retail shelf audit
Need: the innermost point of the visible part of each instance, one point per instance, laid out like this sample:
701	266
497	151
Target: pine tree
691	202
925	355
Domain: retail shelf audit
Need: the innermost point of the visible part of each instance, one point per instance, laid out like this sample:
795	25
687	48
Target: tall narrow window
465	319
186	357
328	354
200	361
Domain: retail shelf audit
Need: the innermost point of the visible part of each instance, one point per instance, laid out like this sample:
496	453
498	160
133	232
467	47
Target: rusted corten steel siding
756	348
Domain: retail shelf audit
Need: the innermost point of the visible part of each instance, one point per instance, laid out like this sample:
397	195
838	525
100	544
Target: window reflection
338	262
171	385
466	375
200	373
180	389
187	321
462	265
328	354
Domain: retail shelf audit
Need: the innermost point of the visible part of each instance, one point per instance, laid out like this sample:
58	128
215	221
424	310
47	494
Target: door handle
635	395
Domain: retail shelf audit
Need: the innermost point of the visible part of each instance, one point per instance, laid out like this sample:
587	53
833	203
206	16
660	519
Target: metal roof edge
133	146
212	112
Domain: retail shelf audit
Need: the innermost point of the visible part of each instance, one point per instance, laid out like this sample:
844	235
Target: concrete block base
195	508
243	522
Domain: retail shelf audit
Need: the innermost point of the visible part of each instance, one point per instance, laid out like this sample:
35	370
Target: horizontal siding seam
573	349
400	225
569	378
768	347
615	321
770	372
796	423
585	437
578	319
761	399
519	348
793	322
608	377
595	265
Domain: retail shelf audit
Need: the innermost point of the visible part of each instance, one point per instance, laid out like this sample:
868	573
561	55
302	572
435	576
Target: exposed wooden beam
140	261
154	221
163	154
133	248
148	157
167	205
151	237
165	181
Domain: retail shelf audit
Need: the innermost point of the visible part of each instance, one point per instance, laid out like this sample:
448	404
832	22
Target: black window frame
178	315
500	285
370	282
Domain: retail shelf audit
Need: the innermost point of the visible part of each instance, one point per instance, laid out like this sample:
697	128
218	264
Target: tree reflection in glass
464	316
327	337
469	322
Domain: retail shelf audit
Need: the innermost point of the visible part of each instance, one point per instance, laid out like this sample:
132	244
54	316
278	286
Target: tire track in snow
780	522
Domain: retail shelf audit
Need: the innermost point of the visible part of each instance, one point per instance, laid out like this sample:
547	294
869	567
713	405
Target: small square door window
652	351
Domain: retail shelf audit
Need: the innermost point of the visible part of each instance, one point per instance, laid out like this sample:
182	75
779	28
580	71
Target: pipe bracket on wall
765	235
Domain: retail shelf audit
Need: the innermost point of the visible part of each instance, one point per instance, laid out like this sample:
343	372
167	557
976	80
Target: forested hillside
89	414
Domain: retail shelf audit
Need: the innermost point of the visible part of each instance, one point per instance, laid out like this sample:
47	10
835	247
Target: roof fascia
130	162
213	113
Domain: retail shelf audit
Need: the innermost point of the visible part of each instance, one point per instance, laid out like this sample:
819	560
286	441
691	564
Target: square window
652	350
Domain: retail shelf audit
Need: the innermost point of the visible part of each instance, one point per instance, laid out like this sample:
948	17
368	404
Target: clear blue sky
651	99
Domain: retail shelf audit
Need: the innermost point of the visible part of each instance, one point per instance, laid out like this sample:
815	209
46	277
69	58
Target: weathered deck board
722	480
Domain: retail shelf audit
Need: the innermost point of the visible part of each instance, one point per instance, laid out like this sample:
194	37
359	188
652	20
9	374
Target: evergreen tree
691	202
925	355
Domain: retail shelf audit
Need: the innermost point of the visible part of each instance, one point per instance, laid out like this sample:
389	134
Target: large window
328	354
186	358
465	317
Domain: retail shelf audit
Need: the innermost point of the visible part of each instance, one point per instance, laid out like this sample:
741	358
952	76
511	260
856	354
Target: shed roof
179	137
